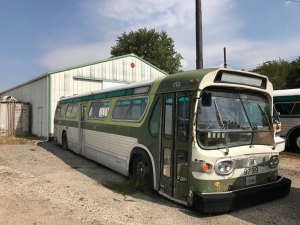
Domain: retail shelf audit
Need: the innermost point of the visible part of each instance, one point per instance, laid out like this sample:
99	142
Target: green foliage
156	48
276	71
282	74
293	76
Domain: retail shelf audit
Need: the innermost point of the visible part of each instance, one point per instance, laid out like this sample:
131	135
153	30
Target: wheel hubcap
141	169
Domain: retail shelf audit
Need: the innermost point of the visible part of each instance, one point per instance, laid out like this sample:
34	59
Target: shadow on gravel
281	211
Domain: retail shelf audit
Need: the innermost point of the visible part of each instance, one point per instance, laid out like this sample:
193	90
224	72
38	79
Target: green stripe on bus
86	98
116	93
100	96
77	99
286	98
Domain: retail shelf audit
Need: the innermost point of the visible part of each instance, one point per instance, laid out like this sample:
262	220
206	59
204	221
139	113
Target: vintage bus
287	104
201	138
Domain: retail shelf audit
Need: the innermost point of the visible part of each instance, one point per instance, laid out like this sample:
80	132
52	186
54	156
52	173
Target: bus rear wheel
142	170
64	141
295	141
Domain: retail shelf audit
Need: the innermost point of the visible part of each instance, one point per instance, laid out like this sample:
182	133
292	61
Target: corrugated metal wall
36	94
128	69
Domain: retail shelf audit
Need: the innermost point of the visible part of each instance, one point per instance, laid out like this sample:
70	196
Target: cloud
113	17
72	55
221	28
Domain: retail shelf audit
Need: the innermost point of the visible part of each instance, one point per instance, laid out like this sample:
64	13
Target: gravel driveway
42	184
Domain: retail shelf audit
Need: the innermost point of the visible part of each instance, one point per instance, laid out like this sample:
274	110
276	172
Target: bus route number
251	170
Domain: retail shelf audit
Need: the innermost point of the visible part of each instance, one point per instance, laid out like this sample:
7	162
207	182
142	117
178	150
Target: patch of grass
127	187
19	140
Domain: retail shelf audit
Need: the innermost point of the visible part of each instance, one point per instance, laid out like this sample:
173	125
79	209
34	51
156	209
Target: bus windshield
234	119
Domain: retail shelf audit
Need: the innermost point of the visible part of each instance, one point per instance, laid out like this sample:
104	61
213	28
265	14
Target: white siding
119	70
110	84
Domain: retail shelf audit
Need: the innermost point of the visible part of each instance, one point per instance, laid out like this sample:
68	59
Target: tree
293	76
276	71
156	48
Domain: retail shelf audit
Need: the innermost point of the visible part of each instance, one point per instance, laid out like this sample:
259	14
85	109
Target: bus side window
136	109
74	111
69	110
155	119
121	109
296	109
284	108
94	109
58	111
103	109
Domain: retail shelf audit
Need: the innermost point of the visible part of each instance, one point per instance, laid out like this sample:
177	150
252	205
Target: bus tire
64	141
142	170
295	141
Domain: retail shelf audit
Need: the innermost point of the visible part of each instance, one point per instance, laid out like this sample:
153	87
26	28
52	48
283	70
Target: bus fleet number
251	170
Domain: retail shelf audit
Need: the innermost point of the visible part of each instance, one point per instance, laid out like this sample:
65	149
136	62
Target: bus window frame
129	105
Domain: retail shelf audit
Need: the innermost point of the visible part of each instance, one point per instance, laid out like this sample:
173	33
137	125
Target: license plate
250	180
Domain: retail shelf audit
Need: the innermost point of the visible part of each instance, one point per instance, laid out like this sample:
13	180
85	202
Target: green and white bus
201	138
287	104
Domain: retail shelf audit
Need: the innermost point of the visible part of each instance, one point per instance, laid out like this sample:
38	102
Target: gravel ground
42	184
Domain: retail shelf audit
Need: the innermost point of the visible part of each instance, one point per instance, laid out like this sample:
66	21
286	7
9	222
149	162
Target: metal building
43	92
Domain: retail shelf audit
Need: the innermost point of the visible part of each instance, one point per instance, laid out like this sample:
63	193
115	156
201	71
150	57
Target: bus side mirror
206	99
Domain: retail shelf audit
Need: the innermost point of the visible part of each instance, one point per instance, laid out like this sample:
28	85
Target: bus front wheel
295	141
64	141
142	170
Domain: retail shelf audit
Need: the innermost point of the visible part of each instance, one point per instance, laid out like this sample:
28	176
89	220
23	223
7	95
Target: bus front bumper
233	200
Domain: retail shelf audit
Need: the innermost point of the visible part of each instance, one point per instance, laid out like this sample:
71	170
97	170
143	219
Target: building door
81	127
175	145
40	122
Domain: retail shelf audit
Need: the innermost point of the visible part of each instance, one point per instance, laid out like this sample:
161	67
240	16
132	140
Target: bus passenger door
81	127
175	141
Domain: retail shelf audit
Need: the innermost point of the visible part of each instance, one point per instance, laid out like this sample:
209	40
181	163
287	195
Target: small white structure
14	117
44	91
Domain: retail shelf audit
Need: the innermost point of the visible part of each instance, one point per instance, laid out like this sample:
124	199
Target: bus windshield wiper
220	121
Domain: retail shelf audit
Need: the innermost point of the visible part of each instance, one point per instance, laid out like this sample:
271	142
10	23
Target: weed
18	140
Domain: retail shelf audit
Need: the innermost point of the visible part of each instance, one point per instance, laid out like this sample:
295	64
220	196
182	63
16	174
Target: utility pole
199	45
225	63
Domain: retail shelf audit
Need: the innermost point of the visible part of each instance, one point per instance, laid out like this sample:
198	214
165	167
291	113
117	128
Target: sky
38	36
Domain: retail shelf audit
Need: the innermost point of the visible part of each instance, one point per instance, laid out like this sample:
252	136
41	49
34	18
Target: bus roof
286	92
183	81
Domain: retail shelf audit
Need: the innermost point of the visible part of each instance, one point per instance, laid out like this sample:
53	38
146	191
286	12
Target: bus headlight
274	160
224	166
